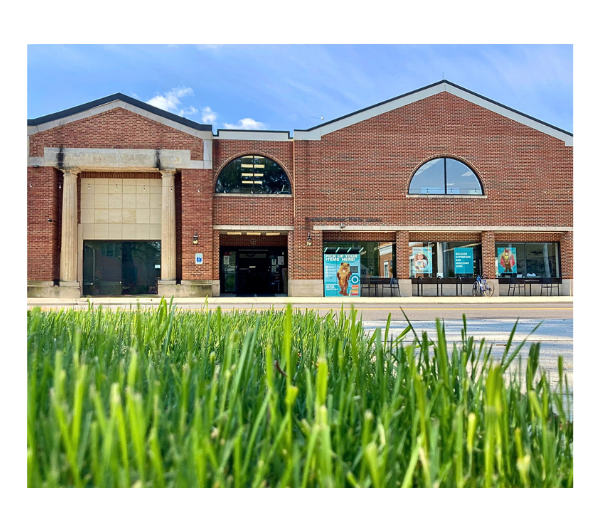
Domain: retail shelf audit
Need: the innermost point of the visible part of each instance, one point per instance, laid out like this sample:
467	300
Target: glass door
229	271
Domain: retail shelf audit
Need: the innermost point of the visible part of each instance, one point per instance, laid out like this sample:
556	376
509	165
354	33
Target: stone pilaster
68	242
168	258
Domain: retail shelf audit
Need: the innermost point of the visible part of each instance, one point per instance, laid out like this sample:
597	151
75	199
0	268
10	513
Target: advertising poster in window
420	260
463	261
507	260
342	274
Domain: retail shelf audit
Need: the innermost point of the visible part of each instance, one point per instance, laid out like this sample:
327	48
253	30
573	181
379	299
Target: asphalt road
554	335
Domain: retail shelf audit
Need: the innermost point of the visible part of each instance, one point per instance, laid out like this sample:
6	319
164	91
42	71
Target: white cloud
170	101
191	110
246	123
208	116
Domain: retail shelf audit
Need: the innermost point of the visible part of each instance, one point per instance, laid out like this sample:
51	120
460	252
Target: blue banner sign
463	261
342	274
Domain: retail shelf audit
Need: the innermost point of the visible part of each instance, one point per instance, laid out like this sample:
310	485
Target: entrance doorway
253	271
115	268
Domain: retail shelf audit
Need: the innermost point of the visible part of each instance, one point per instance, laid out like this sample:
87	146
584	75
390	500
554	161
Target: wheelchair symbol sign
199	258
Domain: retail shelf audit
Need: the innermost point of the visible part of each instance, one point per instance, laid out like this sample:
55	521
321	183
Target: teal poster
463	261
420	260
342	274
507	260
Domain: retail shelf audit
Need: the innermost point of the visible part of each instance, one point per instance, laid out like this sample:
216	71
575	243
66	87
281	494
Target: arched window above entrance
445	176
253	174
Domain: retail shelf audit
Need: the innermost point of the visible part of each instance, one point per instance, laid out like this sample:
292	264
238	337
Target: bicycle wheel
475	288
489	290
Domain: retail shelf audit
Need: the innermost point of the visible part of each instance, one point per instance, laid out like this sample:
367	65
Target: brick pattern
253	240
566	255
233	210
488	254
362	172
115	129
402	252
196	214
330	236
528	237
44	198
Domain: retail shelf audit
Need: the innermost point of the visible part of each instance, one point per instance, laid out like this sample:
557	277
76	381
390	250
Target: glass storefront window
529	259
373	256
445	259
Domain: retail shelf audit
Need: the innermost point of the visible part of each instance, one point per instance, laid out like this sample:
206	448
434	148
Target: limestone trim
98	159
281	228
168	265
442	228
68	239
234	134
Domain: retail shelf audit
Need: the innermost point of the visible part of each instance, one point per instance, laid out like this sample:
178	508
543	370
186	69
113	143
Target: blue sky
287	87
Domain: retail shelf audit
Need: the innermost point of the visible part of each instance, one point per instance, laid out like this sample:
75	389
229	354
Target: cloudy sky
287	87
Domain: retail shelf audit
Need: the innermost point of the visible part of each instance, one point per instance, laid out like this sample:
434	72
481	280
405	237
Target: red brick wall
362	172
488	254
259	241
44	200
231	210
196	215
115	129
330	236
566	255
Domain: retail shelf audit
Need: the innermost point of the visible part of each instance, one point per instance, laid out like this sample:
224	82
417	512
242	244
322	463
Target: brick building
124	198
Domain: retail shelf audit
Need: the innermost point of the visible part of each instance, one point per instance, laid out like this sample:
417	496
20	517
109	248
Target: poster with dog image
342	274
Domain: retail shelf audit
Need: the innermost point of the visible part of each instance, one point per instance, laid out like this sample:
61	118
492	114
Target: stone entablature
123	159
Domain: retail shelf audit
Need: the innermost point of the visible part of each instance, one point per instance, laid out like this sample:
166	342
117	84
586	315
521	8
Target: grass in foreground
271	399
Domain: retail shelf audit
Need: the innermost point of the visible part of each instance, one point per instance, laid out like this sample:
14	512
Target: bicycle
480	287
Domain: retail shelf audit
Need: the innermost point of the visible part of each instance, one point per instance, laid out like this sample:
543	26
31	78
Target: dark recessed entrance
253	271
116	268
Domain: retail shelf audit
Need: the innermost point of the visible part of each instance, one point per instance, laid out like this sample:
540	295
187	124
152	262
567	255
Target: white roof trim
32	130
317	133
228	134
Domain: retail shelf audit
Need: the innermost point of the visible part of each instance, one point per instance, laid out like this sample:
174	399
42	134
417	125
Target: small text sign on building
199	258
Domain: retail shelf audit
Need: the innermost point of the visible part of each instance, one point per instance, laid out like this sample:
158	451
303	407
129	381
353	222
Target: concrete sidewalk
278	302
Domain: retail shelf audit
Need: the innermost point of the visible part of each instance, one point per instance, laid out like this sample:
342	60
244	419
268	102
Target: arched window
253	174
445	176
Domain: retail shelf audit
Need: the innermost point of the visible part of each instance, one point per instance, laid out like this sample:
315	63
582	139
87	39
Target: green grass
153	398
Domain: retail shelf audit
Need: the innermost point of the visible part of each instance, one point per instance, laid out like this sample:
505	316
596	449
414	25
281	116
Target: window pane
372	255
253	174
460	179
429	178
423	259
541	259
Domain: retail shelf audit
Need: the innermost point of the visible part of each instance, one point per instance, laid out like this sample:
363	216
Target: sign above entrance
342	274
199	258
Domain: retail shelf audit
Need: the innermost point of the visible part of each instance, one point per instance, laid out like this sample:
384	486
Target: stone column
168	262
68	239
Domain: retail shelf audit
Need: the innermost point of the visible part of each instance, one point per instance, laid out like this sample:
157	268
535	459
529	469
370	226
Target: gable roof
35	125
315	133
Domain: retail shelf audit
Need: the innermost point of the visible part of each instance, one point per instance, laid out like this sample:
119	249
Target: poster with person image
342	274
507	260
420	260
